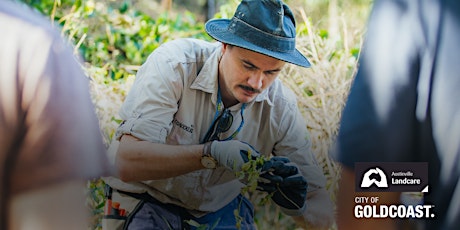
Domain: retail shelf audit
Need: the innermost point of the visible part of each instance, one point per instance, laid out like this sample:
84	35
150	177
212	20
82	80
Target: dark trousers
153	214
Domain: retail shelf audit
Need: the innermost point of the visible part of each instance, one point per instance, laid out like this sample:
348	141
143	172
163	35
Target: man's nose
255	80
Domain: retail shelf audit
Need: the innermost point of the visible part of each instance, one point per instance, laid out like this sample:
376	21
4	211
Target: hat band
261	38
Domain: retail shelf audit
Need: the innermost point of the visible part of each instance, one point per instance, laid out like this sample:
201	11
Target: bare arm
138	160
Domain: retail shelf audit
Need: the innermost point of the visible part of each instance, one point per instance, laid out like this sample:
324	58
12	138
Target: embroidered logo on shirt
183	126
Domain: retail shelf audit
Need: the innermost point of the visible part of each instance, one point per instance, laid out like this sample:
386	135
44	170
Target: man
403	107
50	143
198	111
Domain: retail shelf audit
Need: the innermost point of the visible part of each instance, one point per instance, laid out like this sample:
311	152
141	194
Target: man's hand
287	185
233	153
278	166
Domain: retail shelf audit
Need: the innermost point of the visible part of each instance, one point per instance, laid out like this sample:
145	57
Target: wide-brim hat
263	26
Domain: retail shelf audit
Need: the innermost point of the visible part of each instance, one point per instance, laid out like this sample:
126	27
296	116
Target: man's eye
271	73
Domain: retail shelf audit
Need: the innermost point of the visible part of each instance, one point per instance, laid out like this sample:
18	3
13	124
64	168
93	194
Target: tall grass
322	89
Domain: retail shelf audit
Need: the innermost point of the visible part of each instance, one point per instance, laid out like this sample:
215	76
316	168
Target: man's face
244	74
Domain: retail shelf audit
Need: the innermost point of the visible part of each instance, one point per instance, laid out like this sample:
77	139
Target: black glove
278	166
288	186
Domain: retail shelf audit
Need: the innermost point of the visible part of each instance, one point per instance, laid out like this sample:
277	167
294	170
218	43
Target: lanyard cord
219	108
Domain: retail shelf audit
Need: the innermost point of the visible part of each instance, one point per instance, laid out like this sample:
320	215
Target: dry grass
108	97
323	88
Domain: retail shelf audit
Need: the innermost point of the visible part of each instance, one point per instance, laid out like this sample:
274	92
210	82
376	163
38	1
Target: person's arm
346	204
319	213
54	207
138	160
51	124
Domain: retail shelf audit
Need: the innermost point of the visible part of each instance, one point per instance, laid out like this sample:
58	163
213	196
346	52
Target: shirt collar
207	77
264	97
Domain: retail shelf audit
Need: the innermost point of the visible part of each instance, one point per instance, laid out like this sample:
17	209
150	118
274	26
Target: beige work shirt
173	101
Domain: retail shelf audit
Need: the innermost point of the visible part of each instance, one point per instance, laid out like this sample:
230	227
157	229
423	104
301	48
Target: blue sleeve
378	122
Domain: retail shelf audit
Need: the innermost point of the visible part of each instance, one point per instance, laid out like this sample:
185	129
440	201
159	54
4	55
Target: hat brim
217	29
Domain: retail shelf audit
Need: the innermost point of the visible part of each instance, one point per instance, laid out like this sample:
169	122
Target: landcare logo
391	177
374	177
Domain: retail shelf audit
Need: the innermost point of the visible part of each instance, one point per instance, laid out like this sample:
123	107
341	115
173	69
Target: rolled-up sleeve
153	100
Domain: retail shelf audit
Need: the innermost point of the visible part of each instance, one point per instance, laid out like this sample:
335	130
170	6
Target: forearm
138	160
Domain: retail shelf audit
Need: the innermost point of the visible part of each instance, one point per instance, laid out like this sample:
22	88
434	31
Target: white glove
233	153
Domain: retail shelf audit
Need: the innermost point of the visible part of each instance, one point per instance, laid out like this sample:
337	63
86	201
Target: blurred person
50	142
403	107
198	111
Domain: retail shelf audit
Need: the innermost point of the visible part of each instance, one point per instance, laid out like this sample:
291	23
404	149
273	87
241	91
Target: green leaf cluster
117	36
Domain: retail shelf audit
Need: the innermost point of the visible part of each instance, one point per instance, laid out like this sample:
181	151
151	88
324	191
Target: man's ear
224	47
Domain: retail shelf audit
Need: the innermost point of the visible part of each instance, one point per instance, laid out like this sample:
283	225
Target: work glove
287	186
233	153
277	167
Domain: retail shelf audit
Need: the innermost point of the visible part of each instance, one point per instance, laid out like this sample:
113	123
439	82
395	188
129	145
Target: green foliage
117	36
47	7
96	201
250	173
